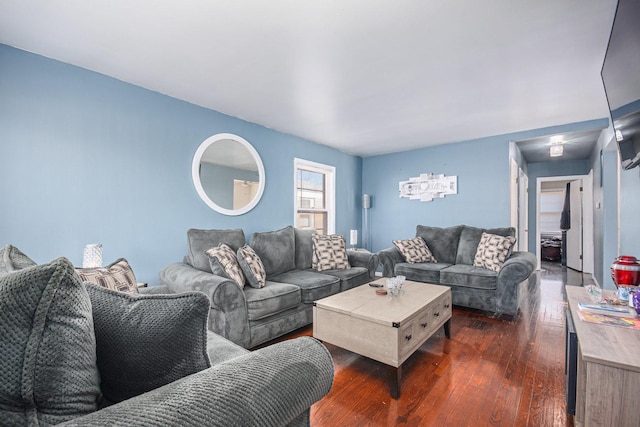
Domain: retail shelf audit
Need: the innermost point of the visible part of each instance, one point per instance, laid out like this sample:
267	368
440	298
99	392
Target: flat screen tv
621	79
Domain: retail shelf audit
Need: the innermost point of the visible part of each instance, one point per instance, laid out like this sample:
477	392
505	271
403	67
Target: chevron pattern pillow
224	263
329	252
252	267
414	250
117	276
493	250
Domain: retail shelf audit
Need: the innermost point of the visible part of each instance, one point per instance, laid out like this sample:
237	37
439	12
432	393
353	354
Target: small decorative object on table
394	284
625	272
635	299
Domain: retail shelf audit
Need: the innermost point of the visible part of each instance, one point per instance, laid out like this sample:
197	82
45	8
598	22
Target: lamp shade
353	237
92	255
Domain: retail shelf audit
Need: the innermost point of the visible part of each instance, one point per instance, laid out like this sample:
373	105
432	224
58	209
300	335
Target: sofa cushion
252	267
350	277
469	239
329	252
117	276
223	262
13	259
469	276
427	272
304	248
146	341
201	240
493	251
276	249
48	372
313	285
443	242
414	250
273	298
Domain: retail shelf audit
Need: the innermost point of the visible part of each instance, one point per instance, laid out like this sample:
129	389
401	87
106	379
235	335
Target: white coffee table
385	329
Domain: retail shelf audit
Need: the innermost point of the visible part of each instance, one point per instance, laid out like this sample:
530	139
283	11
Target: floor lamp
366	233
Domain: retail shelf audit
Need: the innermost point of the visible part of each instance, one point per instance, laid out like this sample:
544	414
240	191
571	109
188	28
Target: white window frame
330	196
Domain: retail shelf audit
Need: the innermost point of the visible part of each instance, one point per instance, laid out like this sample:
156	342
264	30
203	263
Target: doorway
579	244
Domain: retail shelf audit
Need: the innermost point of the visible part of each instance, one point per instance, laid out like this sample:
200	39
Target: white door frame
523	210
587	212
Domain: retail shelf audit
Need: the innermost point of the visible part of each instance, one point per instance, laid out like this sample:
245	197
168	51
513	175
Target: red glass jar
625	271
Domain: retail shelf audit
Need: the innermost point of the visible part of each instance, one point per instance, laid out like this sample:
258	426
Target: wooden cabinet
608	373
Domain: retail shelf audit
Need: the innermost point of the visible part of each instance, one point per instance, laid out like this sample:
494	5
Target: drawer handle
437	313
424	325
408	337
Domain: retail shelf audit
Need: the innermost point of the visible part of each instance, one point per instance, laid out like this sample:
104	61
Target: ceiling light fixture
555	150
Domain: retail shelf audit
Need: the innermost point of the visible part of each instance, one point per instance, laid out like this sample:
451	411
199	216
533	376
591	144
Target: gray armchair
78	354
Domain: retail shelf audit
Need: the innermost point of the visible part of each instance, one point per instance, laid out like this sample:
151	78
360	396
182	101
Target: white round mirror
228	174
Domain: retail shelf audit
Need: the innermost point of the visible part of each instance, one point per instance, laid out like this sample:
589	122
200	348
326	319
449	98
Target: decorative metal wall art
428	186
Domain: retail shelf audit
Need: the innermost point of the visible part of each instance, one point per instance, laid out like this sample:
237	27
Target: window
551	203
314	185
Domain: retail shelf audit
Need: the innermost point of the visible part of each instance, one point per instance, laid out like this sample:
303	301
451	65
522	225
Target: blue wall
86	158
482	168
630	212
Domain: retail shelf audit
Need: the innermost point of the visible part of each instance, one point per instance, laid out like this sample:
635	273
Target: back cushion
202	240
443	242
48	369
470	237
304	248
276	249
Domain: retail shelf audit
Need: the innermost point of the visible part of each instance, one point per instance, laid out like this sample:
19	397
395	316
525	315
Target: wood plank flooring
492	372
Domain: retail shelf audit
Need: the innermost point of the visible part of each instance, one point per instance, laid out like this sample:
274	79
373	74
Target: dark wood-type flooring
492	372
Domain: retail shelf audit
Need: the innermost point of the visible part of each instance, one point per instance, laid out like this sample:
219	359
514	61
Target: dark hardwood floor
492	372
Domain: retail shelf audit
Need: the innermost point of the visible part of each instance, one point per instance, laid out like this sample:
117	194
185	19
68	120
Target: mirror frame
195	173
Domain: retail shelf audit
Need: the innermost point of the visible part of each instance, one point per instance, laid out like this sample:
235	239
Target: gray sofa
77	354
454	248
252	316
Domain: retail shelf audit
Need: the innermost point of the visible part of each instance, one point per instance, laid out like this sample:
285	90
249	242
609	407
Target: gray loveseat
454	248
77	354
252	316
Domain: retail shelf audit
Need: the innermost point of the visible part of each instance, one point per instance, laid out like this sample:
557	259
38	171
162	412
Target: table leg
395	376
447	328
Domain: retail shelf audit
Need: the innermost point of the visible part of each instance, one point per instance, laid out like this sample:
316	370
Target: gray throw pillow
12	259
146	341
48	372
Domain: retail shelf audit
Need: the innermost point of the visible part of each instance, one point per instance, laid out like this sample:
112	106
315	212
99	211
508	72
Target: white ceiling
365	76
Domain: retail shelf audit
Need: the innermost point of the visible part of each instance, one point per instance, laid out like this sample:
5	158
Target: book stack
607	310
613	315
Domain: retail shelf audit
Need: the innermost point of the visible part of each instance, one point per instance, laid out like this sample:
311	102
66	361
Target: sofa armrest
366	259
228	315
389	258
517	268
273	386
